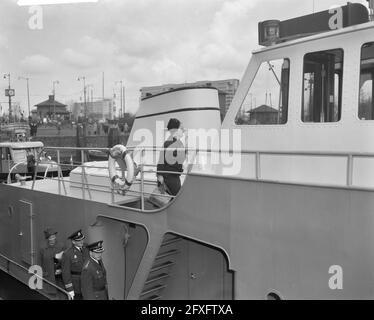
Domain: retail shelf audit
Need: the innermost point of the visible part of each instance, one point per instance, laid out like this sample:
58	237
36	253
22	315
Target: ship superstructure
290	197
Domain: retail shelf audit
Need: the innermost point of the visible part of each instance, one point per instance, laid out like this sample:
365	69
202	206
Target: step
162	266
171	241
159	277
153	289
167	253
168	236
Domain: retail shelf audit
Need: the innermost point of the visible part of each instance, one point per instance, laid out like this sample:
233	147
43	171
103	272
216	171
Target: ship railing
85	185
145	168
9	265
24	163
14	167
88	187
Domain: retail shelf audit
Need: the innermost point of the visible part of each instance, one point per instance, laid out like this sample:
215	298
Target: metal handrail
350	156
83	184
284	152
9	178
209	150
27	271
77	148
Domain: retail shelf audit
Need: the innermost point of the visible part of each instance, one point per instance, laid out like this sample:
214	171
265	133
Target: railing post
112	192
142	180
35	174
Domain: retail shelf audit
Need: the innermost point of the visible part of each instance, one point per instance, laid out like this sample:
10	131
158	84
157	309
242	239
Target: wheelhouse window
19	155
322	86
366	105
267	99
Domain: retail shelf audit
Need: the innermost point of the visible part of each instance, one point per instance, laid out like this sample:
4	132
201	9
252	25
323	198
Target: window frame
260	63
359	88
341	88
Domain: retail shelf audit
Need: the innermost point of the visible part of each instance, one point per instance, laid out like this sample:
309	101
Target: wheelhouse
14	155
296	93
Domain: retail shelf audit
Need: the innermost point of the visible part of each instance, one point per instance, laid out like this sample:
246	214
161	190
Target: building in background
51	109
96	110
226	90
263	115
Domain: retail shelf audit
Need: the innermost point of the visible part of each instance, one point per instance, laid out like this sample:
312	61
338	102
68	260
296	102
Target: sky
139	42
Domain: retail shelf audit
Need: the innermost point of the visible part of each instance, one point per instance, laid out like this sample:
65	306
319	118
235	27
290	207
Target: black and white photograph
186	150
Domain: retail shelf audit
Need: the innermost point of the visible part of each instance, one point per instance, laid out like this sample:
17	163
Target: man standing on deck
72	264
94	283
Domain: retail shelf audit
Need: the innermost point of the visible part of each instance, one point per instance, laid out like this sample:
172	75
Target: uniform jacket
94	283
72	264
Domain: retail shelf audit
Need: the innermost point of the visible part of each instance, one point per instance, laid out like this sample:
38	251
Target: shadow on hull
12	289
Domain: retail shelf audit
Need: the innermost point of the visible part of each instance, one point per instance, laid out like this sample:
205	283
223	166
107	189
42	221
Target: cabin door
26	232
209	278
322	86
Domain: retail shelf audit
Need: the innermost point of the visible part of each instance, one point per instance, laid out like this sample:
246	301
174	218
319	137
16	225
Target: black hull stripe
177	89
175	111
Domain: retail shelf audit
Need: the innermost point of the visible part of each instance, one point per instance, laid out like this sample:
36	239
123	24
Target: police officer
94	283
50	260
72	264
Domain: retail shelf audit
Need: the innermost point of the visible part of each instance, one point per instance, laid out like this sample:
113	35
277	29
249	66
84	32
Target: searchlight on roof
271	32
47	2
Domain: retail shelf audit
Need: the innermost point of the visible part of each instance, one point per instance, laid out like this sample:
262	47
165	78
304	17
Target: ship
14	157
280	206
14	130
16	148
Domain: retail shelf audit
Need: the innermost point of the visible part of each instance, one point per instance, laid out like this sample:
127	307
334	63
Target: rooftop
51	102
263	109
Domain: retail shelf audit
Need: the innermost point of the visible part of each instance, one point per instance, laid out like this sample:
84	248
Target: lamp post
7	76
85	115
54	97
28	92
124	104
